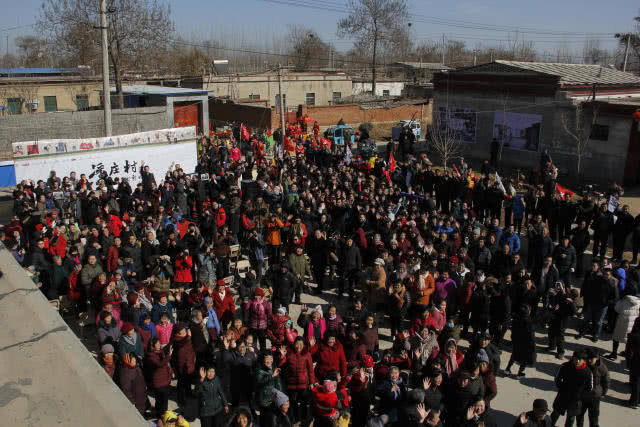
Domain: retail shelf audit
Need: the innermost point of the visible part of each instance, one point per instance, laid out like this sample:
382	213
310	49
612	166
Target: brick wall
80	124
354	114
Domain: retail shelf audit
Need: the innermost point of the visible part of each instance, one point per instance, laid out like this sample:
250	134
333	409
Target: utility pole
475	57
106	88
443	47
7	45
281	106
626	53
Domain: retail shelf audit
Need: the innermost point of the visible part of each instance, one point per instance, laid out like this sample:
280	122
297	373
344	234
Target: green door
50	104
13	104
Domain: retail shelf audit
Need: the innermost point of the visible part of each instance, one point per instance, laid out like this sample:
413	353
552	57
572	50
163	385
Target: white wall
394	88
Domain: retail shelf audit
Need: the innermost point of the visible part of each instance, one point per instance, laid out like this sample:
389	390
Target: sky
478	22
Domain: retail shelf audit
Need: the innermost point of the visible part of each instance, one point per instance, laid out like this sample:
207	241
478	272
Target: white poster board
122	163
56	146
520	131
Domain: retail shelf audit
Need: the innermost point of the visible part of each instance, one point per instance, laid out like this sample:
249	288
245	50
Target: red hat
39	227
325	403
221	283
126	328
163	295
259	292
367	361
132	298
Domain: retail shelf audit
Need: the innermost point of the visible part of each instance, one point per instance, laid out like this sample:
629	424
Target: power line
334	7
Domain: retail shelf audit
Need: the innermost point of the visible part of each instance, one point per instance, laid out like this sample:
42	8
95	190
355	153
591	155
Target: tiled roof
570	74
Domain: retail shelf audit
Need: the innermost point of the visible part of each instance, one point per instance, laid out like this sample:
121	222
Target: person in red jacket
76	290
112	255
354	350
114	225
330	356
184	359
298	371
325	404
158	360
58	244
182	277
223	304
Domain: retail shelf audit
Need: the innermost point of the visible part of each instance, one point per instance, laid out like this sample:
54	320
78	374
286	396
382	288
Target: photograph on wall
518	131
462	120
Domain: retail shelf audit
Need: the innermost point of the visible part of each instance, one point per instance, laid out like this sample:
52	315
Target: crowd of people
435	255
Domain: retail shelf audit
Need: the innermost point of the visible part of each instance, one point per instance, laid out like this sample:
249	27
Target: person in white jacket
628	309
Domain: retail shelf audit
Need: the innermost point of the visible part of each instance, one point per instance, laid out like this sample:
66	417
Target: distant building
297	88
523	105
185	106
46	90
384	87
417	72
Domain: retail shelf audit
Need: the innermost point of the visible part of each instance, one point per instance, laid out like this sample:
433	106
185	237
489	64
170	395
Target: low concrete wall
47	377
80	124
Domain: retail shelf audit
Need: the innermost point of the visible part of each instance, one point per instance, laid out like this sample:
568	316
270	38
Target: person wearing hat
107	359
487	374
574	380
130	342
223	303
284	283
280	411
562	308
458	397
537	417
591	399
171	419
183	360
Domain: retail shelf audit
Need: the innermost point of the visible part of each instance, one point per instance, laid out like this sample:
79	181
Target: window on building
50	104
337	96
310	99
255	96
14	105
385	92
600	132
82	102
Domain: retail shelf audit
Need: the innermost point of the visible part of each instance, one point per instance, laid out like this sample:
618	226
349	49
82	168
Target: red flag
244	133
392	163
386	173
563	192
458	174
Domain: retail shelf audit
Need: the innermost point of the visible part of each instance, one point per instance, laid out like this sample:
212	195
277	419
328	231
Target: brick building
523	105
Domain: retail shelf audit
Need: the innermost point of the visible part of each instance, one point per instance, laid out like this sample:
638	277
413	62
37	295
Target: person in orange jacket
273	225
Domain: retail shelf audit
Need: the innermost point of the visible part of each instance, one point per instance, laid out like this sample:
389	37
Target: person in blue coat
511	238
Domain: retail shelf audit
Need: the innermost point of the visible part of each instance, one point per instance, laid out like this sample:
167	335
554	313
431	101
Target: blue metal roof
38	70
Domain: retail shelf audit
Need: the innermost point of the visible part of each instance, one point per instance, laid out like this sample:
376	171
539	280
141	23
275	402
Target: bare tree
136	29
34	51
593	53
372	22
579	131
443	139
307	48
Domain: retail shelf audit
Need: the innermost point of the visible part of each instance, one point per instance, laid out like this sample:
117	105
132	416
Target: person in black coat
580	241
562	307
598	293
458	397
573	380
283	283
602	225
352	264
564	257
524	343
480	309
621	229
535	418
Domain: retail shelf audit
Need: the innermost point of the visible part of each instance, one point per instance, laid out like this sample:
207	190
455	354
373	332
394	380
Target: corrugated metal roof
570	74
39	70
160	90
